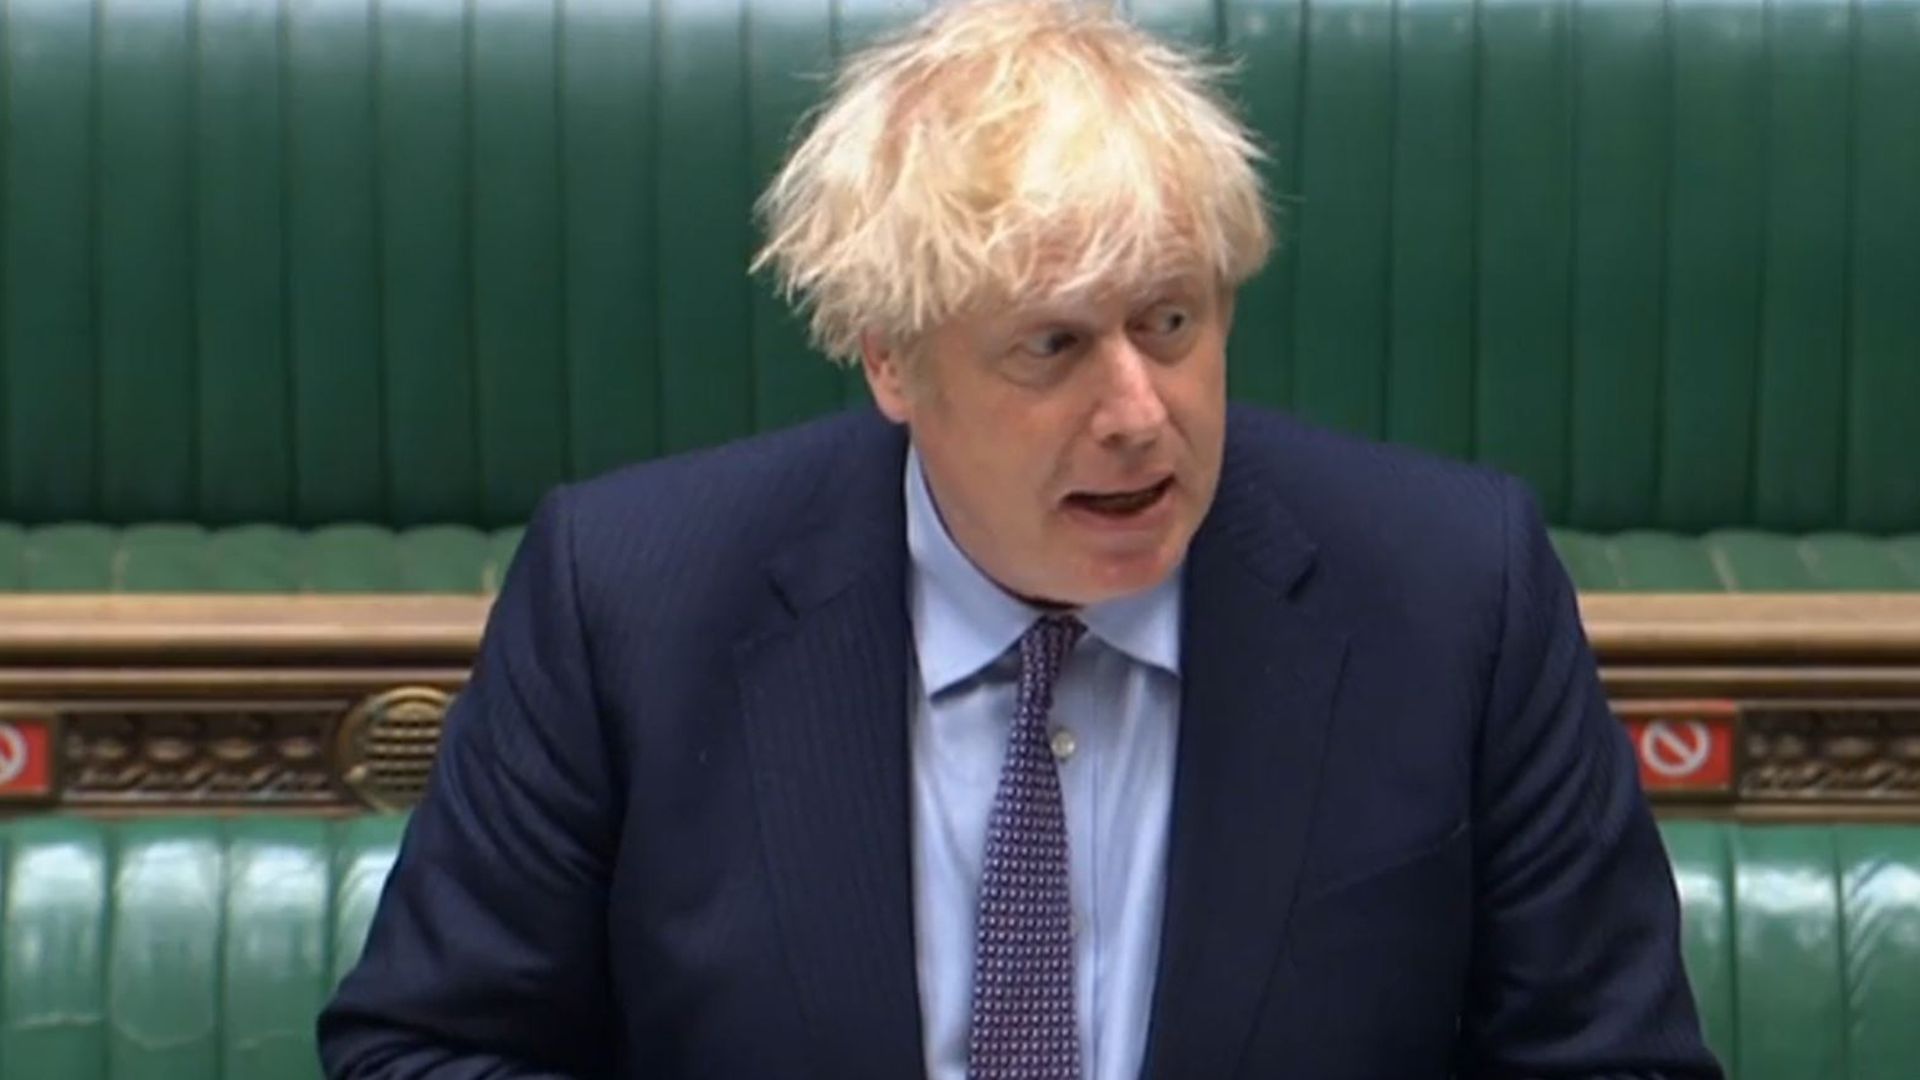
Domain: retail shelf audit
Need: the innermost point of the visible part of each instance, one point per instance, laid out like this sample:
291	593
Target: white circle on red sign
13	753
1675	748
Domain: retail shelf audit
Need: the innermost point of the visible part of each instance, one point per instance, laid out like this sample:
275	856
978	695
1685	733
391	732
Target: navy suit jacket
667	833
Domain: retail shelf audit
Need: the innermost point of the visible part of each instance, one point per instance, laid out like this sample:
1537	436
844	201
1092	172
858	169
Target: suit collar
854	519
1263	669
823	690
1250	522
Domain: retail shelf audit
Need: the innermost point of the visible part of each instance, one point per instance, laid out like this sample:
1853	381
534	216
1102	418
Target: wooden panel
1813	700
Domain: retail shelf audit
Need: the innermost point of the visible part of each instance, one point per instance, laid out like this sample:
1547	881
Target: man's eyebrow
1184	286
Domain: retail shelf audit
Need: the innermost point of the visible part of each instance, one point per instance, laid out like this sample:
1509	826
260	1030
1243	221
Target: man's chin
1111	576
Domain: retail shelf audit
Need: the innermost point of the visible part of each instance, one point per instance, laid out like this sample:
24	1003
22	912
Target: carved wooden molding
1841	750
205	753
162	753
1798	707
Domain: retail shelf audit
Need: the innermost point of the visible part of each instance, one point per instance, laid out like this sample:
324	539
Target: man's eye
1049	344
1167	321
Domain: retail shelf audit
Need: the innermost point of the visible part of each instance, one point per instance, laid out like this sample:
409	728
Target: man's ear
885	369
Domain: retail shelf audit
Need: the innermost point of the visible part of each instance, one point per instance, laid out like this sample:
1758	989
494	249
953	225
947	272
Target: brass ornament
385	747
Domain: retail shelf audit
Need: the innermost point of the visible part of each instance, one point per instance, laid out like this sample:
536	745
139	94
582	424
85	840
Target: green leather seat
458	559
305	264
253	559
1803	946
202	950
179	950
1740	560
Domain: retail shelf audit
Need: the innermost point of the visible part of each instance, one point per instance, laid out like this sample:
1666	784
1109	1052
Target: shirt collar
962	621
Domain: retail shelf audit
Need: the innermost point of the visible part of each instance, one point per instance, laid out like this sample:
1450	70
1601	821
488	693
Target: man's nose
1131	412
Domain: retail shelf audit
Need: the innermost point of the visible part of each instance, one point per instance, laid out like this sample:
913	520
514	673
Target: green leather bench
361	558
321	296
202	950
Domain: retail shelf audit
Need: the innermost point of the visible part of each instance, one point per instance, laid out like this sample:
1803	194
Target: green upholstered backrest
414	261
202	950
1803	945
179	950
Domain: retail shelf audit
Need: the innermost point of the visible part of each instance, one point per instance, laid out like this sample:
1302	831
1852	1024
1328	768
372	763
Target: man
1057	722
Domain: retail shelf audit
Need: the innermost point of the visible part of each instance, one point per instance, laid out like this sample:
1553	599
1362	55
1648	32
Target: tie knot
1044	647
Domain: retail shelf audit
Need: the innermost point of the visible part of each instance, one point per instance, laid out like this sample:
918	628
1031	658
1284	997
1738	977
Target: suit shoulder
691	525
743	486
1381	509
1321	463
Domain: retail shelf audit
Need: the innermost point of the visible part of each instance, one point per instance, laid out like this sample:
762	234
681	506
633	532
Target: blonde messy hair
1003	149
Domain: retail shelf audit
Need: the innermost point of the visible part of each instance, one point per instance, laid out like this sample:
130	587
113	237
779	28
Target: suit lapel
824	692
1260	672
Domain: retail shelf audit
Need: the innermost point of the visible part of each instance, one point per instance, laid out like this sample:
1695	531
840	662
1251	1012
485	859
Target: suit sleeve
487	954
1577	969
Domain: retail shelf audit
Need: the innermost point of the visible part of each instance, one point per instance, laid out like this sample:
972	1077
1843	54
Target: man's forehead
1100	295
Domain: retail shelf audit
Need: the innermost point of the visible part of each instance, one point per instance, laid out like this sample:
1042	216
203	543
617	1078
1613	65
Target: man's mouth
1121	503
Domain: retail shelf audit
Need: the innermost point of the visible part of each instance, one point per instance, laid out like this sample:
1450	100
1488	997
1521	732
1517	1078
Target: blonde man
1058	722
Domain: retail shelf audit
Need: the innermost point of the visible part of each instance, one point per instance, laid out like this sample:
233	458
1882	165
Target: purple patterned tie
1025	1026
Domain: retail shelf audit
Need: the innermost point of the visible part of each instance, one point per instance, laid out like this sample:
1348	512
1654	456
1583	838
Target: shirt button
1063	744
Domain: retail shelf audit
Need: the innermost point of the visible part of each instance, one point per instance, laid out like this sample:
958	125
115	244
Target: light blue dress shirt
1114	720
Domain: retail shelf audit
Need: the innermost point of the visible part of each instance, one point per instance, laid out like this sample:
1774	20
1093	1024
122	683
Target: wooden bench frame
1786	706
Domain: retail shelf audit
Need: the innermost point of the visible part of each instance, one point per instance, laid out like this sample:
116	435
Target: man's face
1072	447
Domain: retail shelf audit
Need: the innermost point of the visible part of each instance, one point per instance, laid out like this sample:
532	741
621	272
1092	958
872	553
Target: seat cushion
358	558
1740	560
196	948
179	949
175	558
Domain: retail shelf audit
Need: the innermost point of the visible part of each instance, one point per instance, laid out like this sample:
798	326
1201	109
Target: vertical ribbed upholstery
1525	237
56	879
706	352
241	392
1346	131
1883	358
1701	876
1801	423
1879	890
519	349
164	919
334	270
414	261
1619	241
49	421
608	191
1803	946
197	949
1430	342
1713	248
1270	37
1789	954
145	298
427	212
274	957
788	39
